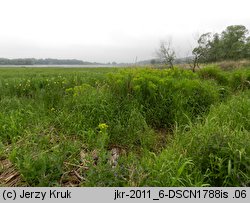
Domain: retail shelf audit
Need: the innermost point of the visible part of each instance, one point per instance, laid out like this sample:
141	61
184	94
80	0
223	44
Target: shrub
240	79
214	73
166	96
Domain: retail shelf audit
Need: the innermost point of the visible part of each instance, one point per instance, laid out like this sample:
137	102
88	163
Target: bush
214	73
240	79
166	96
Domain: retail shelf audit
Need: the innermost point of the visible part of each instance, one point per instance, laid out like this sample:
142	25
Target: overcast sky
110	30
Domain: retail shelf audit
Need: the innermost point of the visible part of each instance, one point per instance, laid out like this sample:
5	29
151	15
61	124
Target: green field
124	127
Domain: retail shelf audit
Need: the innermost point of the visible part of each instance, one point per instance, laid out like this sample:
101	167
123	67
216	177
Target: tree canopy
231	44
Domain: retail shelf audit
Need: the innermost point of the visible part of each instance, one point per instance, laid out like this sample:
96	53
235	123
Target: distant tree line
48	61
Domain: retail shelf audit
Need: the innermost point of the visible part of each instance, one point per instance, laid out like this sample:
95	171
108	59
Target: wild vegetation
124	127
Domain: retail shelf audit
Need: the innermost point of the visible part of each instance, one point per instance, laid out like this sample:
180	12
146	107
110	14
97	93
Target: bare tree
166	54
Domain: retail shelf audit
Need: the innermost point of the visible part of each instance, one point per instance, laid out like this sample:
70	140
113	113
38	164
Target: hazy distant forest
33	61
172	122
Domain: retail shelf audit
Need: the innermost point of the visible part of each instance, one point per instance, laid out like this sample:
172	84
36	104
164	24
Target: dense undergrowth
59	127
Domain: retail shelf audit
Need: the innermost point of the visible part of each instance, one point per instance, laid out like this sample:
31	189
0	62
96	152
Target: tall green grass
174	127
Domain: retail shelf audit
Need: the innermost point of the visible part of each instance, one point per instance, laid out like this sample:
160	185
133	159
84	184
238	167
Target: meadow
124	127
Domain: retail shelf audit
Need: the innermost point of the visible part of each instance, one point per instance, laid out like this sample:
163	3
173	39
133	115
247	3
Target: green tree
233	40
152	61
231	44
200	53
247	49
215	51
